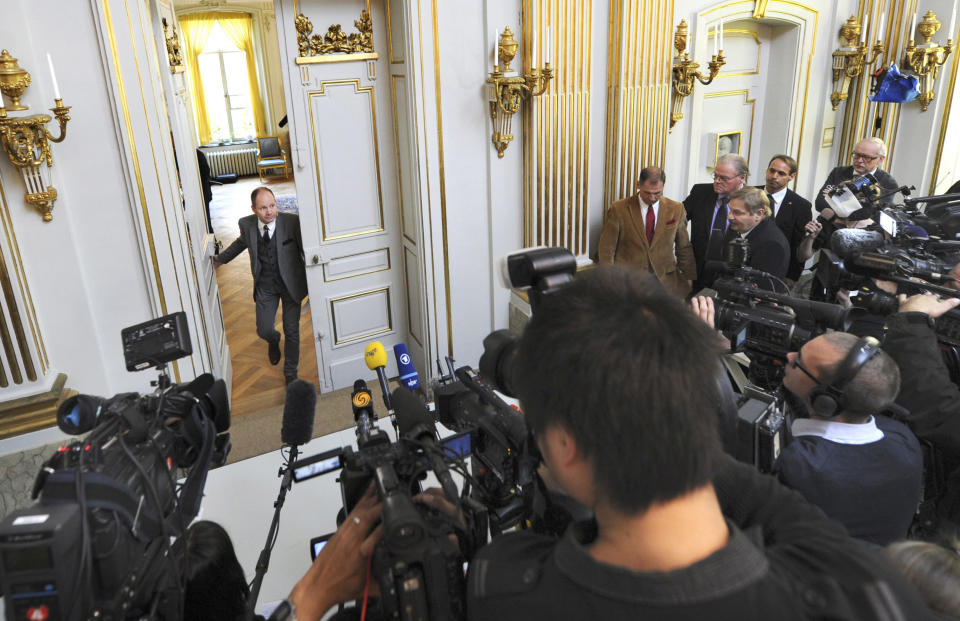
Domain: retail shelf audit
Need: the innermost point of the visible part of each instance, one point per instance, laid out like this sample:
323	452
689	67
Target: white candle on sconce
716	35
913	28
496	49
953	22
721	35
883	18
53	77
549	45
866	26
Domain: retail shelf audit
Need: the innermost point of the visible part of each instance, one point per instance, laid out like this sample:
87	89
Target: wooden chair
270	155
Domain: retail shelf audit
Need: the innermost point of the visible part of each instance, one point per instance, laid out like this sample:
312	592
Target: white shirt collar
779	195
841	433
269	226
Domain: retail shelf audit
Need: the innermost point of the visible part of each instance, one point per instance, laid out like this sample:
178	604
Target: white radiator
234	158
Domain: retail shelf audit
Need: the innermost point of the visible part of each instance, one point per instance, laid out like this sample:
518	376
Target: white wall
85	268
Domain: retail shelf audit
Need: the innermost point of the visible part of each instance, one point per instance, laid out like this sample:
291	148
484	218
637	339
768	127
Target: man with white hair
867	157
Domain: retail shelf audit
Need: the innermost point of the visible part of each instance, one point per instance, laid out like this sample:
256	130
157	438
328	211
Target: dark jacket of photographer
841	174
785	560
929	394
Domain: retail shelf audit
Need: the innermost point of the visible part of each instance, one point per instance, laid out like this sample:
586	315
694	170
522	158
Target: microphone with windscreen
848	242
297	428
299	411
375	356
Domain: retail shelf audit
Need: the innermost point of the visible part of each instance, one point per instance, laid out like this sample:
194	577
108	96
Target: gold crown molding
335	40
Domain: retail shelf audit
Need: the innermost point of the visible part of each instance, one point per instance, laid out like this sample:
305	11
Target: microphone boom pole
298	413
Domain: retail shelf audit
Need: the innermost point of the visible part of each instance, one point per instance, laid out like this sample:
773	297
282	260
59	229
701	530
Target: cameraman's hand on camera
927	303
434	498
702	306
339	573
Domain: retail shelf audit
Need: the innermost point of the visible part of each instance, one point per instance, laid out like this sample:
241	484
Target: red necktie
651	222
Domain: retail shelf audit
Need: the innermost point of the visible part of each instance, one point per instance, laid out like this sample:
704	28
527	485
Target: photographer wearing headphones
929	393
864	470
616	382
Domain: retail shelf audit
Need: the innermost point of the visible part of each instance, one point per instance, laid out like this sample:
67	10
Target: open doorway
232	65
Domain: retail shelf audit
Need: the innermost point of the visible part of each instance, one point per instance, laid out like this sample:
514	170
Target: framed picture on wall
728	142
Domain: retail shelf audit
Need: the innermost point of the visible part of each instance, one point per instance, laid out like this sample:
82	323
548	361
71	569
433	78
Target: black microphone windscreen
298	413
410	410
847	242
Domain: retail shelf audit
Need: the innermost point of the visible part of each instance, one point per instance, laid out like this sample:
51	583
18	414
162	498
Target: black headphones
828	399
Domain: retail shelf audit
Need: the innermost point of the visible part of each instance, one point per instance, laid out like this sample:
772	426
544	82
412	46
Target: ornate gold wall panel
556	125
638	92
861	117
16	314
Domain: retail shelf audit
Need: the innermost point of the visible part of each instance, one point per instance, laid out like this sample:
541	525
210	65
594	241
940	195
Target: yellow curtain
237	27
196	30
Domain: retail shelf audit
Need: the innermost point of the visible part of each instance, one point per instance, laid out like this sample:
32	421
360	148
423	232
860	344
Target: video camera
99	543
763	323
418	568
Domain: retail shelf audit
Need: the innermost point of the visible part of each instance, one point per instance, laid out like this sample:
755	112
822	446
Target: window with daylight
226	88
222	72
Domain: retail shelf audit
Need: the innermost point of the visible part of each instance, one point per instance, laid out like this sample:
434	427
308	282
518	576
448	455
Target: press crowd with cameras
704	429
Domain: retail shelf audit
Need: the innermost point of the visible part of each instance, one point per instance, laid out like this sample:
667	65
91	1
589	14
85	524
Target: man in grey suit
276	260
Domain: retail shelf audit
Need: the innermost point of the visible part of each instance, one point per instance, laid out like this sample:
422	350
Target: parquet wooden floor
257	384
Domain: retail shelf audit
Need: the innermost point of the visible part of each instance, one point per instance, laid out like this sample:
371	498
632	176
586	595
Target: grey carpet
259	432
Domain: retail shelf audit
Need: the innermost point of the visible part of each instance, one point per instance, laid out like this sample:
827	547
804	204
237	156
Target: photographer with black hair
616	381
932	399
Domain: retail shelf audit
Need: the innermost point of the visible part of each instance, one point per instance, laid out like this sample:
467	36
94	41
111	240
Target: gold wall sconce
926	59
26	139
507	88
686	72
850	59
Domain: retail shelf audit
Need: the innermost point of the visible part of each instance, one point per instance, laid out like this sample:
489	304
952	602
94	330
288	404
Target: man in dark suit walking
707	207
276	260
750	218
868	157
791	212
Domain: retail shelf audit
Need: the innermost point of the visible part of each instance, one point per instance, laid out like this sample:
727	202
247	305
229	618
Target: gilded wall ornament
174	57
335	41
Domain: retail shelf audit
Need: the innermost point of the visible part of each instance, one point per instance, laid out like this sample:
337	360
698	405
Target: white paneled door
345	165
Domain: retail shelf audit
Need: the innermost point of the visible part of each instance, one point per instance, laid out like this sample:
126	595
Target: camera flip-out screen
318	464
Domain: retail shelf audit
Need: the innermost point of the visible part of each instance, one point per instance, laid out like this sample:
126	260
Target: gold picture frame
727	142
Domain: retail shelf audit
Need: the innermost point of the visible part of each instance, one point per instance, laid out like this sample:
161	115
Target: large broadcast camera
418	567
754	311
99	543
